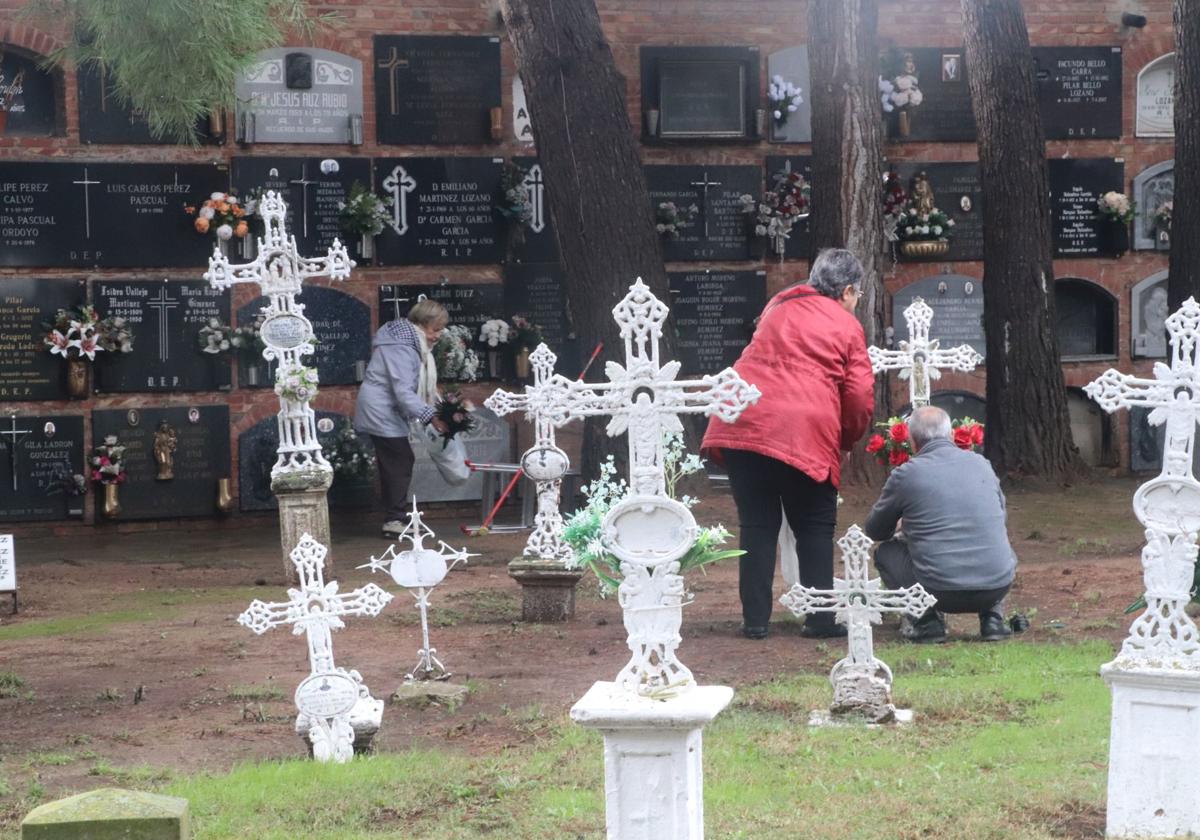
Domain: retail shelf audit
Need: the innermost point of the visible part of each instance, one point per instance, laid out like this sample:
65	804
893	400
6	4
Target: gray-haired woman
400	387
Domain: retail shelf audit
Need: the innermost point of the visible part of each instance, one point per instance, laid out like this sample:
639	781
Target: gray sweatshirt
387	399
954	518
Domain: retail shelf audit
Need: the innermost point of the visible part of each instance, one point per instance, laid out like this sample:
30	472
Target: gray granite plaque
1152	187
300	95
957	304
488	443
1148	313
1155	115
792	66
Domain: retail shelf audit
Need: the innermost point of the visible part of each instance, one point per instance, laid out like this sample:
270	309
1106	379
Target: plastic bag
450	459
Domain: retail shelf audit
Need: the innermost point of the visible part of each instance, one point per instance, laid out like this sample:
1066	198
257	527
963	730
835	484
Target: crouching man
954	542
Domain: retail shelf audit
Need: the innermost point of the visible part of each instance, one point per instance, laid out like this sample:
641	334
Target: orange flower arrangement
223	214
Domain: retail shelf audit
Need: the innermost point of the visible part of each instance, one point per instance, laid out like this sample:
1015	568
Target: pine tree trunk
1184	281
848	157
1028	428
594	180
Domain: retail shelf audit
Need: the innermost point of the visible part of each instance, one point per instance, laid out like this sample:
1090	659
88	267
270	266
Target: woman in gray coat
400	387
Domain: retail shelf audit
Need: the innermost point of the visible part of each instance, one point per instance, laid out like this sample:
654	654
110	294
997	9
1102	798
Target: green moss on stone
109	814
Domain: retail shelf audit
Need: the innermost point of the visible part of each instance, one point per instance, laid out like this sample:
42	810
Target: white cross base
329	696
919	358
862	684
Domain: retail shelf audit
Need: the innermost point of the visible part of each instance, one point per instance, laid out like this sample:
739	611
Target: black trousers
895	567
765	490
394	457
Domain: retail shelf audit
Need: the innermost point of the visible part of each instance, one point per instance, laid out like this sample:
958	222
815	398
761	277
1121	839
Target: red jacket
809	359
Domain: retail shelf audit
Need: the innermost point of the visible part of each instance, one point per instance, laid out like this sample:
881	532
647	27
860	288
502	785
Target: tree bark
847	148
1028	428
1184	281
595	184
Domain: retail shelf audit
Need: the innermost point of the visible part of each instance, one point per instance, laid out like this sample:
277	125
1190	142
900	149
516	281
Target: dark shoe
992	628
823	631
929	629
755	631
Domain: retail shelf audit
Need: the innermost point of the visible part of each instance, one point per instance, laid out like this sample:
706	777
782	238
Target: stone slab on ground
109	814
428	692
823	717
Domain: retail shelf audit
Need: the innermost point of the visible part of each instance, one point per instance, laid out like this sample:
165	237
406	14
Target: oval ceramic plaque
422	567
326	695
1169	504
545	463
285	331
649	530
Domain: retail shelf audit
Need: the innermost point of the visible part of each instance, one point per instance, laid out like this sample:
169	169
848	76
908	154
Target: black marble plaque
1146	443
435	89
1086	316
443	211
103	120
535	291
714	314
27	370
201	457
27	100
257	453
312	196
342	325
48	453
469	304
1079	91
538	242
165	319
1075	187
945	111
798	241
957	304
957	192
700	92
728	227
104	214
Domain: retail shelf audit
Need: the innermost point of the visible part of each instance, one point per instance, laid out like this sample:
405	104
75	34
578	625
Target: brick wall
629	24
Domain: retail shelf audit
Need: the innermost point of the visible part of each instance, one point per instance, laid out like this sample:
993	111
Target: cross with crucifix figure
919	358
704	184
1168	505
304	182
543	462
648	531
862	684
14	436
393	63
280	272
398	184
315	608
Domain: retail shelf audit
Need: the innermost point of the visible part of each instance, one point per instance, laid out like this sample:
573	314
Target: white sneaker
392	528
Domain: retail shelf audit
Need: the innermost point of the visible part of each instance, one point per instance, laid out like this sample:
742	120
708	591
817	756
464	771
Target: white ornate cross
398	185
919	358
420	568
1168	505
315	608
544	405
535	186
860	681
280	272
649	532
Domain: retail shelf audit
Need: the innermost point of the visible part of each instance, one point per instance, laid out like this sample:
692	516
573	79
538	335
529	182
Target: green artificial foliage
175	61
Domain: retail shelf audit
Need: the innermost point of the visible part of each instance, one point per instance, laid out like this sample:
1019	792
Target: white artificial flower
207	212
937	230
217	196
900	98
224	232
905	82
915	96
949	223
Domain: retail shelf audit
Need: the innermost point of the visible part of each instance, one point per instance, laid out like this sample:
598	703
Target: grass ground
1011	742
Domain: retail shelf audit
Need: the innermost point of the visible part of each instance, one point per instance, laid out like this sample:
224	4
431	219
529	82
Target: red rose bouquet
892	446
968	434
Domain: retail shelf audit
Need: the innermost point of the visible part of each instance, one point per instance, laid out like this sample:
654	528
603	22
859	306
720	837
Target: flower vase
223	244
902	123
252	375
493	358
112	501
521	363
247	247
779	245
1115	237
222	375
924	249
224	496
366	247
652	122
77	379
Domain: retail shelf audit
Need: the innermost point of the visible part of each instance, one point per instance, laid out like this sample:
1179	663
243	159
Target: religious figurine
922	194
164	450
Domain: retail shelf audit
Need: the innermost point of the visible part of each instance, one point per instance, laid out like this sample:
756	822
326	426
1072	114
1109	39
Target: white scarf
427	377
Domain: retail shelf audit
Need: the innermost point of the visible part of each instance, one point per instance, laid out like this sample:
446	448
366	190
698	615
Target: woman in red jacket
809	359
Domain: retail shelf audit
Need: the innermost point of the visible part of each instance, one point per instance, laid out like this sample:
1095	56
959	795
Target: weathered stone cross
315	608
862	684
280	272
919	358
1168	505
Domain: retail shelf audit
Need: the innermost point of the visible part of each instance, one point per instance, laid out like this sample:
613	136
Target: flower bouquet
893	446
785	99
296	382
363	215
515	202
900	91
786	203
108	462
671	219
215	337
221	214
912	218
968	434
455	412
348	454
493	333
1115	210
78	334
456	361
524	338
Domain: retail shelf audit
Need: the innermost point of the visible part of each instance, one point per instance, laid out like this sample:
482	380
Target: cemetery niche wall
29	98
1076	185
959	194
535	292
700	93
200	458
28	371
957	304
300	95
1153	188
104	120
1087	319
798	242
718	229
1148	313
1155	108
714	314
791	67
43	454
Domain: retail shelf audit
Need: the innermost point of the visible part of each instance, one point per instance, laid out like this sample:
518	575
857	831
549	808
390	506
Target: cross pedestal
653	758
